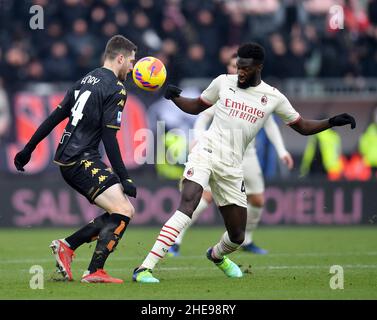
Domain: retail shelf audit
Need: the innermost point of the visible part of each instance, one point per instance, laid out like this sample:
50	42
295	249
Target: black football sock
88	233
108	239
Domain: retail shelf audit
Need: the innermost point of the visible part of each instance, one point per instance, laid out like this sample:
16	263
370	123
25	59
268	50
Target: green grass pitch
297	267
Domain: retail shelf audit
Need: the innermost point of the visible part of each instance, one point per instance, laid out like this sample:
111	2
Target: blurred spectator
237	28
14	68
355	17
294	14
368	143
58	66
317	12
277	63
169	56
265	16
72	10
143	34
35	71
98	16
323	155
122	20
79	38
297	57
4	114
289	28
207	31
195	64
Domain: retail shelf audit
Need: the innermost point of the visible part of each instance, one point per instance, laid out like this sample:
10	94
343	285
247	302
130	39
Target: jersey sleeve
113	108
202	122
210	95
68	101
286	112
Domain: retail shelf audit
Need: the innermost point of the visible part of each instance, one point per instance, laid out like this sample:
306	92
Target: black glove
129	188
343	119
172	92
22	158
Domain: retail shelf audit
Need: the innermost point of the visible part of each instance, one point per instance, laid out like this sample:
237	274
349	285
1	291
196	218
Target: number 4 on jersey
79	106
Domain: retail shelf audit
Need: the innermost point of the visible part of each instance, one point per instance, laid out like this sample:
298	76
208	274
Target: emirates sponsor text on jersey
243	111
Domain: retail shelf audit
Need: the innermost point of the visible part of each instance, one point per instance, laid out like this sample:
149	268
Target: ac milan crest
190	172
264	100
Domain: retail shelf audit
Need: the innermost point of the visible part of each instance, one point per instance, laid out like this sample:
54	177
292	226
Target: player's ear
120	58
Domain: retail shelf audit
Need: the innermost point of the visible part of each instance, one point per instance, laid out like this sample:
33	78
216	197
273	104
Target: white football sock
65	242
203	204
225	246
166	238
253	216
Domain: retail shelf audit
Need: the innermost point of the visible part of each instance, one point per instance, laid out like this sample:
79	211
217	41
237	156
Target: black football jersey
95	101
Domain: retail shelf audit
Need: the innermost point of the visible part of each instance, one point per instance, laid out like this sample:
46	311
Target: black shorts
90	177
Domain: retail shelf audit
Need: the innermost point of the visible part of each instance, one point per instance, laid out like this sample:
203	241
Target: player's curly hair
251	50
118	44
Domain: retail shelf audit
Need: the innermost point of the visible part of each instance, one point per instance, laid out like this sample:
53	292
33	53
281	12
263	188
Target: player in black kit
94	107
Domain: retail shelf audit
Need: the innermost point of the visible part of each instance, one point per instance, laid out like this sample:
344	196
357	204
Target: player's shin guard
203	204
87	233
225	246
166	238
108	239
253	216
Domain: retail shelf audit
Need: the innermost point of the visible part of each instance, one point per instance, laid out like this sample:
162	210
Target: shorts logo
101	179
243	187
190	172
94	171
264	100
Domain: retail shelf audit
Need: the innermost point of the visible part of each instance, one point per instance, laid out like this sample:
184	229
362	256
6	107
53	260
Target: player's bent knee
207	196
189	203
126	209
187	208
256	200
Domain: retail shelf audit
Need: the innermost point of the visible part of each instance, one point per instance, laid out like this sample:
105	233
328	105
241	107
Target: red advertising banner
28	201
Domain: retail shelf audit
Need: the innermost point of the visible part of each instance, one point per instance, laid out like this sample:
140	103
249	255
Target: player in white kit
252	172
243	103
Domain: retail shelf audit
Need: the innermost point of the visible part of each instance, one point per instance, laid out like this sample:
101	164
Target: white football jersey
239	115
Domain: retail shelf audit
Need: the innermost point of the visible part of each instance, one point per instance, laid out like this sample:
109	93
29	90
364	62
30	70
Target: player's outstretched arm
23	157
188	105
111	145
309	127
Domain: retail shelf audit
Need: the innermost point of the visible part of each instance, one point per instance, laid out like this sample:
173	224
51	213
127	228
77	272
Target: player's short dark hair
251	50
118	45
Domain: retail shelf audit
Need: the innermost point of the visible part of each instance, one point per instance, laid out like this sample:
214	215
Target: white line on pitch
277	267
141	256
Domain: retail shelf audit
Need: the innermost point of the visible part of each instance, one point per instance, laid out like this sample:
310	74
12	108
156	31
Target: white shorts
252	172
226	182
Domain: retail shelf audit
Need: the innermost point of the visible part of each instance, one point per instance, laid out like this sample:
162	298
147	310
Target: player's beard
248	83
122	75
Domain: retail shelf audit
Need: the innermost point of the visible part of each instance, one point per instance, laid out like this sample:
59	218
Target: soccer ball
149	73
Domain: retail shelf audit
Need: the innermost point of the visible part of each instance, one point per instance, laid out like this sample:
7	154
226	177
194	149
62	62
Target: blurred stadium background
323	70
322	54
